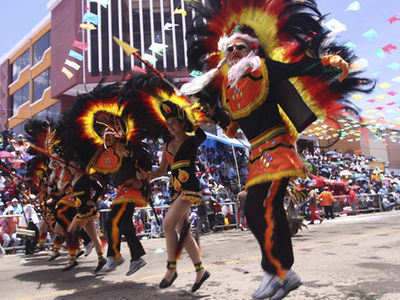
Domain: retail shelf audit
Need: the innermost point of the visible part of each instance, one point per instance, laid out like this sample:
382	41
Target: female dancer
180	153
85	191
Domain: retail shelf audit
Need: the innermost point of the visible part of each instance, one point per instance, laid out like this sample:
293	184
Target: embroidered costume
53	178
86	192
266	58
184	180
118	153
128	197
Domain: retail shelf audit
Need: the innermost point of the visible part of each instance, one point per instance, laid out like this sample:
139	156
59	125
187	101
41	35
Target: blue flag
91	18
76	55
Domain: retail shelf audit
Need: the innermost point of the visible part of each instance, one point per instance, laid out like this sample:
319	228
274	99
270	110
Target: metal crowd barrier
147	232
12	247
102	221
366	203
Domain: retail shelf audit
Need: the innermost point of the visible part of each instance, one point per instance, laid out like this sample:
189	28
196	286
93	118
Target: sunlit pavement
349	257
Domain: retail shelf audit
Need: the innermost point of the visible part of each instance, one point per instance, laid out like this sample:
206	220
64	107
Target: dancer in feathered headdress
54	178
268	58
118	153
180	118
38	133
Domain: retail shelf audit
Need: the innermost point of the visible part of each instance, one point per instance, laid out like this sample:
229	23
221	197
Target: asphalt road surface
350	257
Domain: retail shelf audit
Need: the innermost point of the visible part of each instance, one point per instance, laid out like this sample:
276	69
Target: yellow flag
127	48
88	26
67	72
180	11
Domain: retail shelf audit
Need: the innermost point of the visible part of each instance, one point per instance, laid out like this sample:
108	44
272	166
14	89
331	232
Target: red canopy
321	181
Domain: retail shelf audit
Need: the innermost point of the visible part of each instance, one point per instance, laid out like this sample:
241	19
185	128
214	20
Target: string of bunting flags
378	46
377	108
90	21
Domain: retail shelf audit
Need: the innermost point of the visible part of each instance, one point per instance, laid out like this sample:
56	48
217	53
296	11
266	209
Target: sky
367	29
17	18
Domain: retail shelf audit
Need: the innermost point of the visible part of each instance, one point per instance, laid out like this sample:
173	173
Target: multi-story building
25	79
32	82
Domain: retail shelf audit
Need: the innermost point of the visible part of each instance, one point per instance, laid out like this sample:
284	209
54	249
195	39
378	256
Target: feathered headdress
282	30
93	116
150	101
43	134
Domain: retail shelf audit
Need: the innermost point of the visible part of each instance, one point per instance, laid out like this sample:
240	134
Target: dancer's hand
337	62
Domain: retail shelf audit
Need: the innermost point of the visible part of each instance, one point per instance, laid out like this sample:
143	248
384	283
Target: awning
229	141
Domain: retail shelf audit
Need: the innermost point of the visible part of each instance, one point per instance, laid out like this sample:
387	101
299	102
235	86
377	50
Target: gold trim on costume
254	104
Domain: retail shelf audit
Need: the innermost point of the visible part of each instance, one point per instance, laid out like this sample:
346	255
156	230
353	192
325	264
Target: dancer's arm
308	66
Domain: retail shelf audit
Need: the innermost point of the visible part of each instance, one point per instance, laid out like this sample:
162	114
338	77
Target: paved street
351	257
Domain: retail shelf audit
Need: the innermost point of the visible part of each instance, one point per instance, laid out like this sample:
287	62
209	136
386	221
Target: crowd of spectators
358	185
222	175
220	182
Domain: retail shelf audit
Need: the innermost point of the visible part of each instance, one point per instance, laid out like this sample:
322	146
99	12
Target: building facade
32	83
25	79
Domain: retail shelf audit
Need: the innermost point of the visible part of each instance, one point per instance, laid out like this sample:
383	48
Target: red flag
393	19
139	69
81	45
388	48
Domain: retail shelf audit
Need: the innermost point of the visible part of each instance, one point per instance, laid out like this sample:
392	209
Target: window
40	47
20	97
51	112
40	83
19	129
106	30
20	64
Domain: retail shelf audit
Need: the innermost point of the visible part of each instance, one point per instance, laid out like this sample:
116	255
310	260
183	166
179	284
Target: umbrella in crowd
355	187
17	163
348	156
345	173
331	152
331	166
29	157
356	175
361	178
324	170
6	154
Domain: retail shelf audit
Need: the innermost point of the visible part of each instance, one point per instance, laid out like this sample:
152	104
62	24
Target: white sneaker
2	251
268	286
135	265
89	248
112	263
291	282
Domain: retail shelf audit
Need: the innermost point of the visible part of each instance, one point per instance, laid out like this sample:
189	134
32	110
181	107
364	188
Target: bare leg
191	248
178	211
90	229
